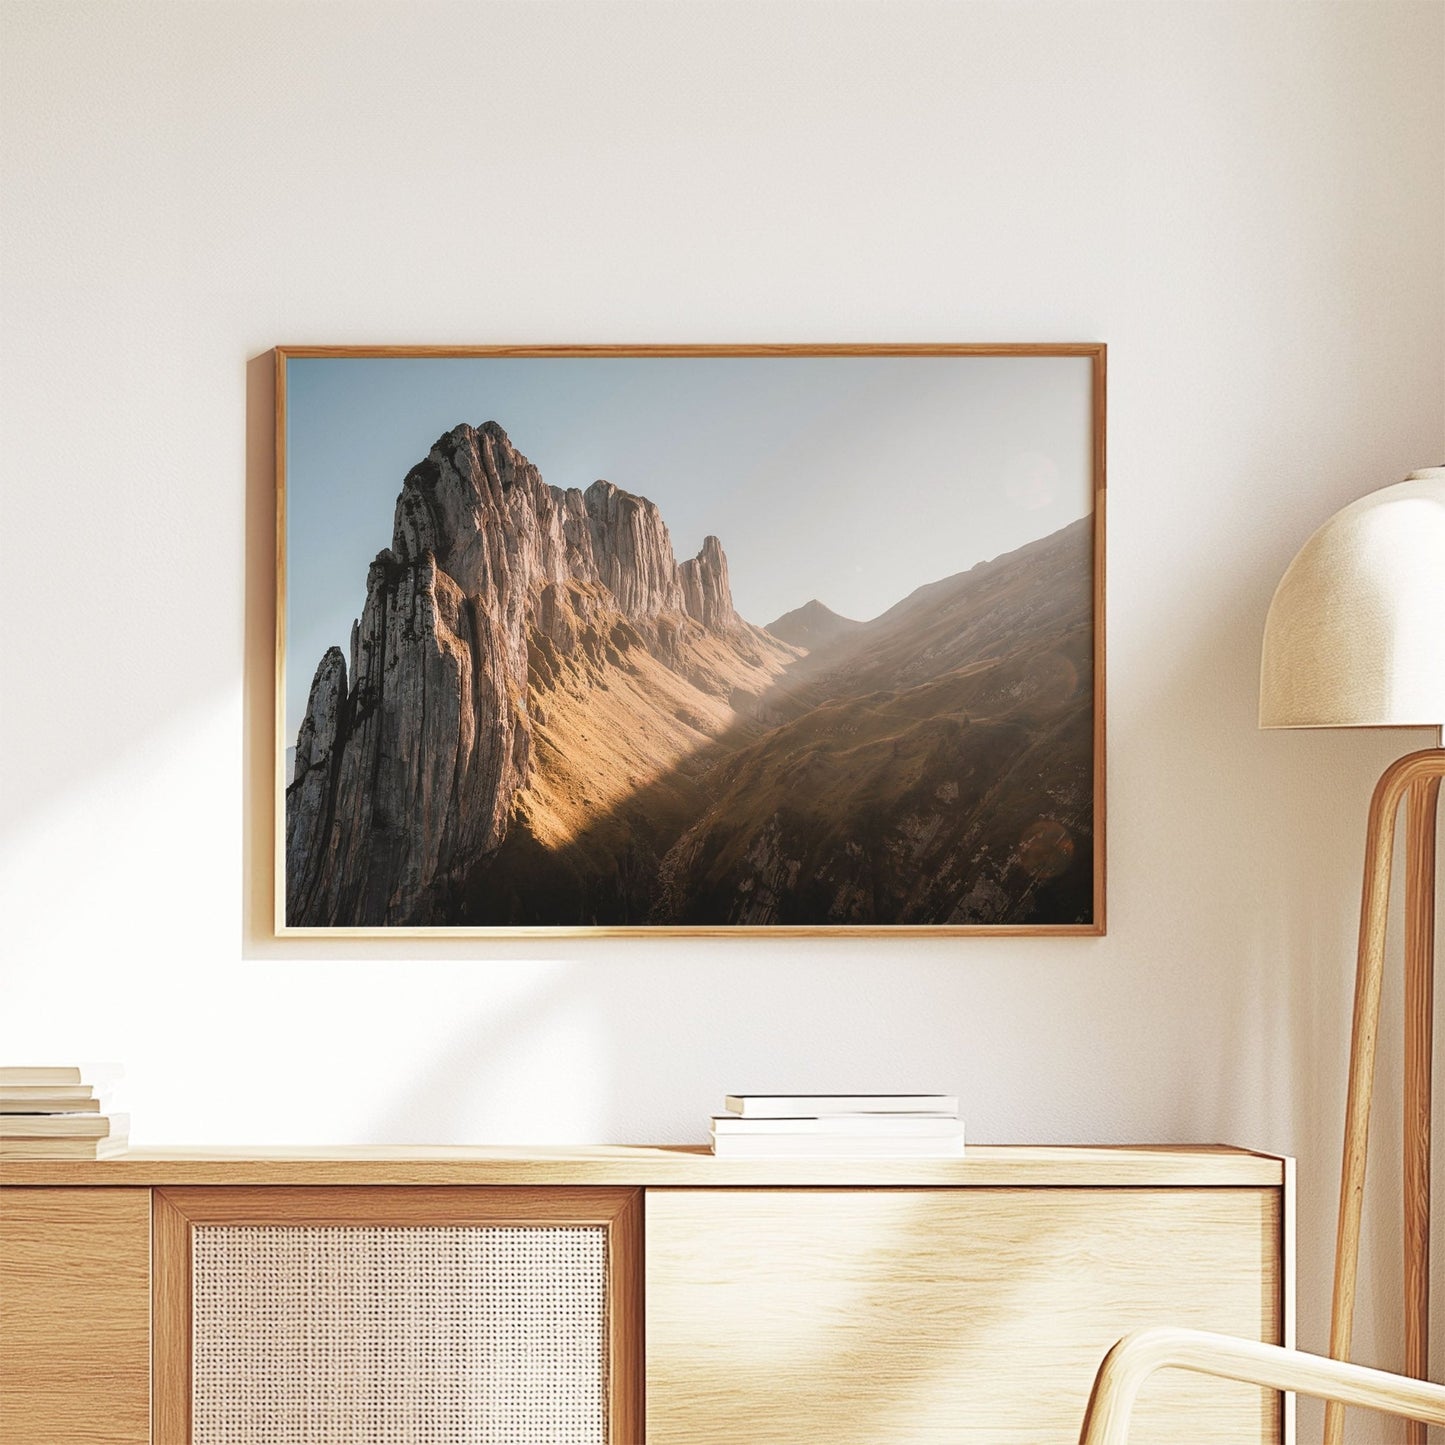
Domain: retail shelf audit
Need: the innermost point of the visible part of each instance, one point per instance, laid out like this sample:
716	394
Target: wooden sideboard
876	1302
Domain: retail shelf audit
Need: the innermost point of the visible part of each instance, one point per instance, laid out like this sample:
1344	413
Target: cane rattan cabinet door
397	1316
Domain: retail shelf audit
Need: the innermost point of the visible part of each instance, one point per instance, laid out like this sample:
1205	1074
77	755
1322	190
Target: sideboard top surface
686	1166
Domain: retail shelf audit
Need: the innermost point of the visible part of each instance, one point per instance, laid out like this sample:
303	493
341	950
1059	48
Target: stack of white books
838	1126
60	1112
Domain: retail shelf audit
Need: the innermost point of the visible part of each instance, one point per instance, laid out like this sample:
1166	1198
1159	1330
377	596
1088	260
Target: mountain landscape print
705	642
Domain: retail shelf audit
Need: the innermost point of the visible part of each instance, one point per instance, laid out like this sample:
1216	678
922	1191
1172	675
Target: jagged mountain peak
431	719
465	438
465	431
607	499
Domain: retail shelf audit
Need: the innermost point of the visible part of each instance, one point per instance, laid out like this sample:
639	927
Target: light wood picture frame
869	700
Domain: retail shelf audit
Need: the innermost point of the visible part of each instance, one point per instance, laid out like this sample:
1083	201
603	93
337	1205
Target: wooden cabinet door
458	1316
955	1316
75	1316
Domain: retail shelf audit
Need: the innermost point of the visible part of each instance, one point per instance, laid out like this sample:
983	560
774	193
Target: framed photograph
690	640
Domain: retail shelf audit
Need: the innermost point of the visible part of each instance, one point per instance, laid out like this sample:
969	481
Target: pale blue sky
850	479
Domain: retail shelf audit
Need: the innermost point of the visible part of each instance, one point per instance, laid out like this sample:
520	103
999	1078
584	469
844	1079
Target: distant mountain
812	626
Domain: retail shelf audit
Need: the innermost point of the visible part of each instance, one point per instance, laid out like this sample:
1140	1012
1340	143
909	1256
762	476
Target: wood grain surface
1412	773
984	1165
1422	808
75	1316
961	1318
1141	1353
912	1299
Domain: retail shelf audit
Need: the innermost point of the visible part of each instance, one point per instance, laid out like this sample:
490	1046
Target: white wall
1246	201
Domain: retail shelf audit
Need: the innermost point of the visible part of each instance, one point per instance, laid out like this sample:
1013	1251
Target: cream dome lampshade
1356	638
1356	632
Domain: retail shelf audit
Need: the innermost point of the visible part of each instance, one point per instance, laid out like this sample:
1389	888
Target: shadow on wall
1034	614
808	1360
258	690
805	1363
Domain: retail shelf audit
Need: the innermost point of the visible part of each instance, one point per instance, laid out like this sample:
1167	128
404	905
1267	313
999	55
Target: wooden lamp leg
1420	812
1422	772
1364	1033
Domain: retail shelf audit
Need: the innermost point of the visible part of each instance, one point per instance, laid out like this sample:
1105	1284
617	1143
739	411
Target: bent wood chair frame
1139	1355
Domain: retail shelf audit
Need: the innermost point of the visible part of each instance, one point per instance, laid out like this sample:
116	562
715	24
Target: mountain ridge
414	748
545	718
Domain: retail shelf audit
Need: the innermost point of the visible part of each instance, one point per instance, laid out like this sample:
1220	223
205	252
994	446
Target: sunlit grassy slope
946	777
933	765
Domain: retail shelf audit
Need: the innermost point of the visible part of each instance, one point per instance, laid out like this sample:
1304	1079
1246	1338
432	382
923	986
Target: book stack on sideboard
60	1112
838	1126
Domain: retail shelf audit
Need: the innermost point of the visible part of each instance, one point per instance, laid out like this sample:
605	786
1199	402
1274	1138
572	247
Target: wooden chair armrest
1138	1355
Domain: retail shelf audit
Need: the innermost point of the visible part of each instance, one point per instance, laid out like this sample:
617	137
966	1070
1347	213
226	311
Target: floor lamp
1356	638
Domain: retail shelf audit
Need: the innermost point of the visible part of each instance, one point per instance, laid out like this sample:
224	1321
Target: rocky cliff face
413	752
706	595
